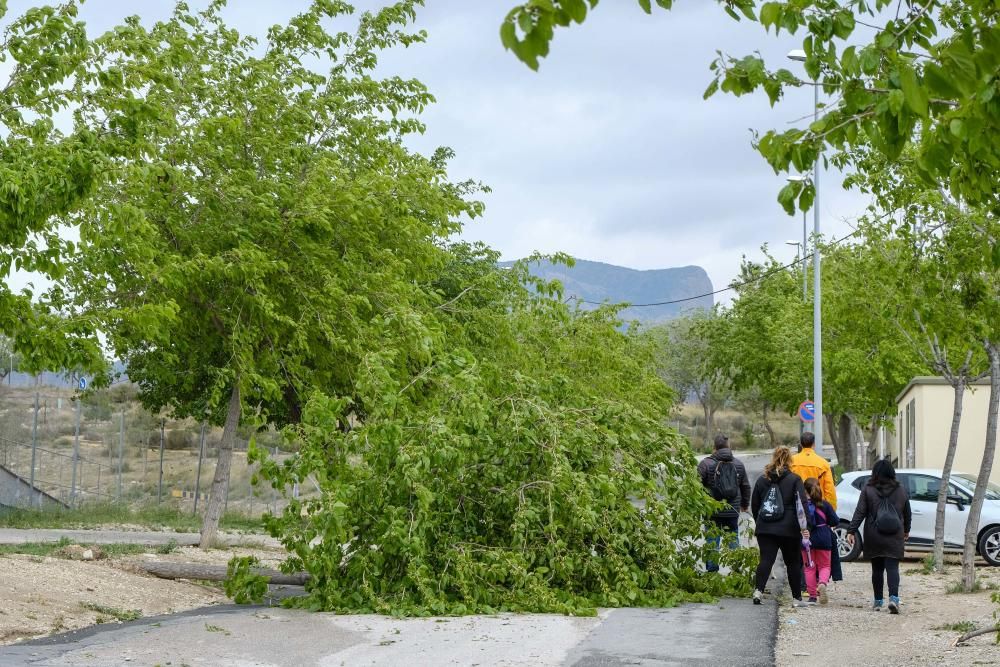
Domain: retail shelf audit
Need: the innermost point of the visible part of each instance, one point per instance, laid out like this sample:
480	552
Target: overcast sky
608	152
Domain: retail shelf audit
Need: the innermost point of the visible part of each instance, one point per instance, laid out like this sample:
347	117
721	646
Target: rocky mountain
599	282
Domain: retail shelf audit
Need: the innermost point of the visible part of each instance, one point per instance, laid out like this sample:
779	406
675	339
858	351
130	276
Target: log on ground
218	572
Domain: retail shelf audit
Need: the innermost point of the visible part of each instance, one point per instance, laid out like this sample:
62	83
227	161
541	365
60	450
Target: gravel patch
848	632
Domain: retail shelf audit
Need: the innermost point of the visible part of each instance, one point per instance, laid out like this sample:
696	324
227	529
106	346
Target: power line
721	290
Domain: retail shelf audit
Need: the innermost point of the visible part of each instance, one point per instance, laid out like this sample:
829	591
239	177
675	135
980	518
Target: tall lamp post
800	56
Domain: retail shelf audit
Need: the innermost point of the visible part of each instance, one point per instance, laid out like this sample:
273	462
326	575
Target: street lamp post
800	56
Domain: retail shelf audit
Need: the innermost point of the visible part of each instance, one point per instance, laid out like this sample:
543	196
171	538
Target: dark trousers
730	524
836	571
889	567
791	553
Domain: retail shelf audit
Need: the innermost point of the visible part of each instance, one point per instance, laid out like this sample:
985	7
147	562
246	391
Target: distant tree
685	363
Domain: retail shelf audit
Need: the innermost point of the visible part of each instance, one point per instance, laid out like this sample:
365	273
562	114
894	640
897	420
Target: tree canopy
272	227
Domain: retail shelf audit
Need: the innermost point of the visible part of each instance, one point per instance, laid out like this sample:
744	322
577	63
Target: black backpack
887	519
726	483
772	509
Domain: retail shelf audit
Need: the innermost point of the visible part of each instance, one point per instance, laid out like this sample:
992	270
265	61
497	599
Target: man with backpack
725	478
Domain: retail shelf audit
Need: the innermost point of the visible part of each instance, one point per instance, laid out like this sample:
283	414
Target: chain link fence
105	447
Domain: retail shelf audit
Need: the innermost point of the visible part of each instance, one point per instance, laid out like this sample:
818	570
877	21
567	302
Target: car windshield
968	482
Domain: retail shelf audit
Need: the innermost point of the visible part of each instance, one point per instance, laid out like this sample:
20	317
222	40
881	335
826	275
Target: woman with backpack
778	505
817	558
884	507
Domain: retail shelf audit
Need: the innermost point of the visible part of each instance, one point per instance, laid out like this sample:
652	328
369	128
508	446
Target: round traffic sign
807	411
83	384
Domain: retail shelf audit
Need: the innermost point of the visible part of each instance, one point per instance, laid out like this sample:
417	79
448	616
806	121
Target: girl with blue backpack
817	556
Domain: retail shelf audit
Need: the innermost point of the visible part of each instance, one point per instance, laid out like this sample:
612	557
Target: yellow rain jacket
808	463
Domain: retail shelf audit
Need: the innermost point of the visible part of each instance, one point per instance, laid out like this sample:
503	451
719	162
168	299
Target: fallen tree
520	463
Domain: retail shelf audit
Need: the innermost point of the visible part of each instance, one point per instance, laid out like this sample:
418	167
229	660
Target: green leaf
770	14
938	82
713	87
646	6
508	35
913	91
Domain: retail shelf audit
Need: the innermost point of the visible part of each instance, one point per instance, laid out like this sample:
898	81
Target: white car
923	485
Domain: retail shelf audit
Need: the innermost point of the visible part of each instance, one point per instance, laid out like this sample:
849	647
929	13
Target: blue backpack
820	533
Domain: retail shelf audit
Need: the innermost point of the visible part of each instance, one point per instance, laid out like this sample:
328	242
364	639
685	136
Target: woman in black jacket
785	533
885	534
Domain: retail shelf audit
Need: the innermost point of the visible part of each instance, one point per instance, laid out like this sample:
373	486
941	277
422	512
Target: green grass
123	615
50	548
956	587
151	516
961	626
34	548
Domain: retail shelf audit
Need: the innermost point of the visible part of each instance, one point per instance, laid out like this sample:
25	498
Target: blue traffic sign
83	384
807	411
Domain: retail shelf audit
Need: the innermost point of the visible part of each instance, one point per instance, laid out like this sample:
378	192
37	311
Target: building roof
921	380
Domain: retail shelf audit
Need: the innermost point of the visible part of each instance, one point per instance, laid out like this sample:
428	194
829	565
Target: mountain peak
600	282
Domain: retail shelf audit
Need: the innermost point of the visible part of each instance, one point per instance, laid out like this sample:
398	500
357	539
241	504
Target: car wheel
989	545
847	552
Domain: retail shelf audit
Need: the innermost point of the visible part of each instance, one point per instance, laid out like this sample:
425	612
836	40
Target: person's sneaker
893	604
877	605
812	600
823	599
756	597
797	602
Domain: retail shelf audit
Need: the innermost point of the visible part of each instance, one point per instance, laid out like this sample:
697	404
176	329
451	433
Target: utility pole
159	488
121	452
76	454
34	447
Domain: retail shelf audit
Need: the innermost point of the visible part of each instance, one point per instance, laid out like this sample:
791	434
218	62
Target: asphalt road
732	632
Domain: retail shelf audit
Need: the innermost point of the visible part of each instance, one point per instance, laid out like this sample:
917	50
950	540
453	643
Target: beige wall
934	404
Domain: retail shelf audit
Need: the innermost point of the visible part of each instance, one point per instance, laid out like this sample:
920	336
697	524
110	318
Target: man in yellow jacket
808	463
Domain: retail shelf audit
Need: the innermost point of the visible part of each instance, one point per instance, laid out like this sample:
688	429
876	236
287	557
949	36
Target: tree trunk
767	425
706	405
976	508
204	572
220	483
958	385
840	435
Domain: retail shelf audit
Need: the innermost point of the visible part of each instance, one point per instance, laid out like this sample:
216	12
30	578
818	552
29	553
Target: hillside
599	282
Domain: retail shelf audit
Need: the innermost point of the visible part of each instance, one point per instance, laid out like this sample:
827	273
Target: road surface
732	632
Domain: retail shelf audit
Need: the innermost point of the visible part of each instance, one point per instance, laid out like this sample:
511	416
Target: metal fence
104	447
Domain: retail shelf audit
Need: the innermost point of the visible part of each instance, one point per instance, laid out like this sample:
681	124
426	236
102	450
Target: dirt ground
44	595
848	632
